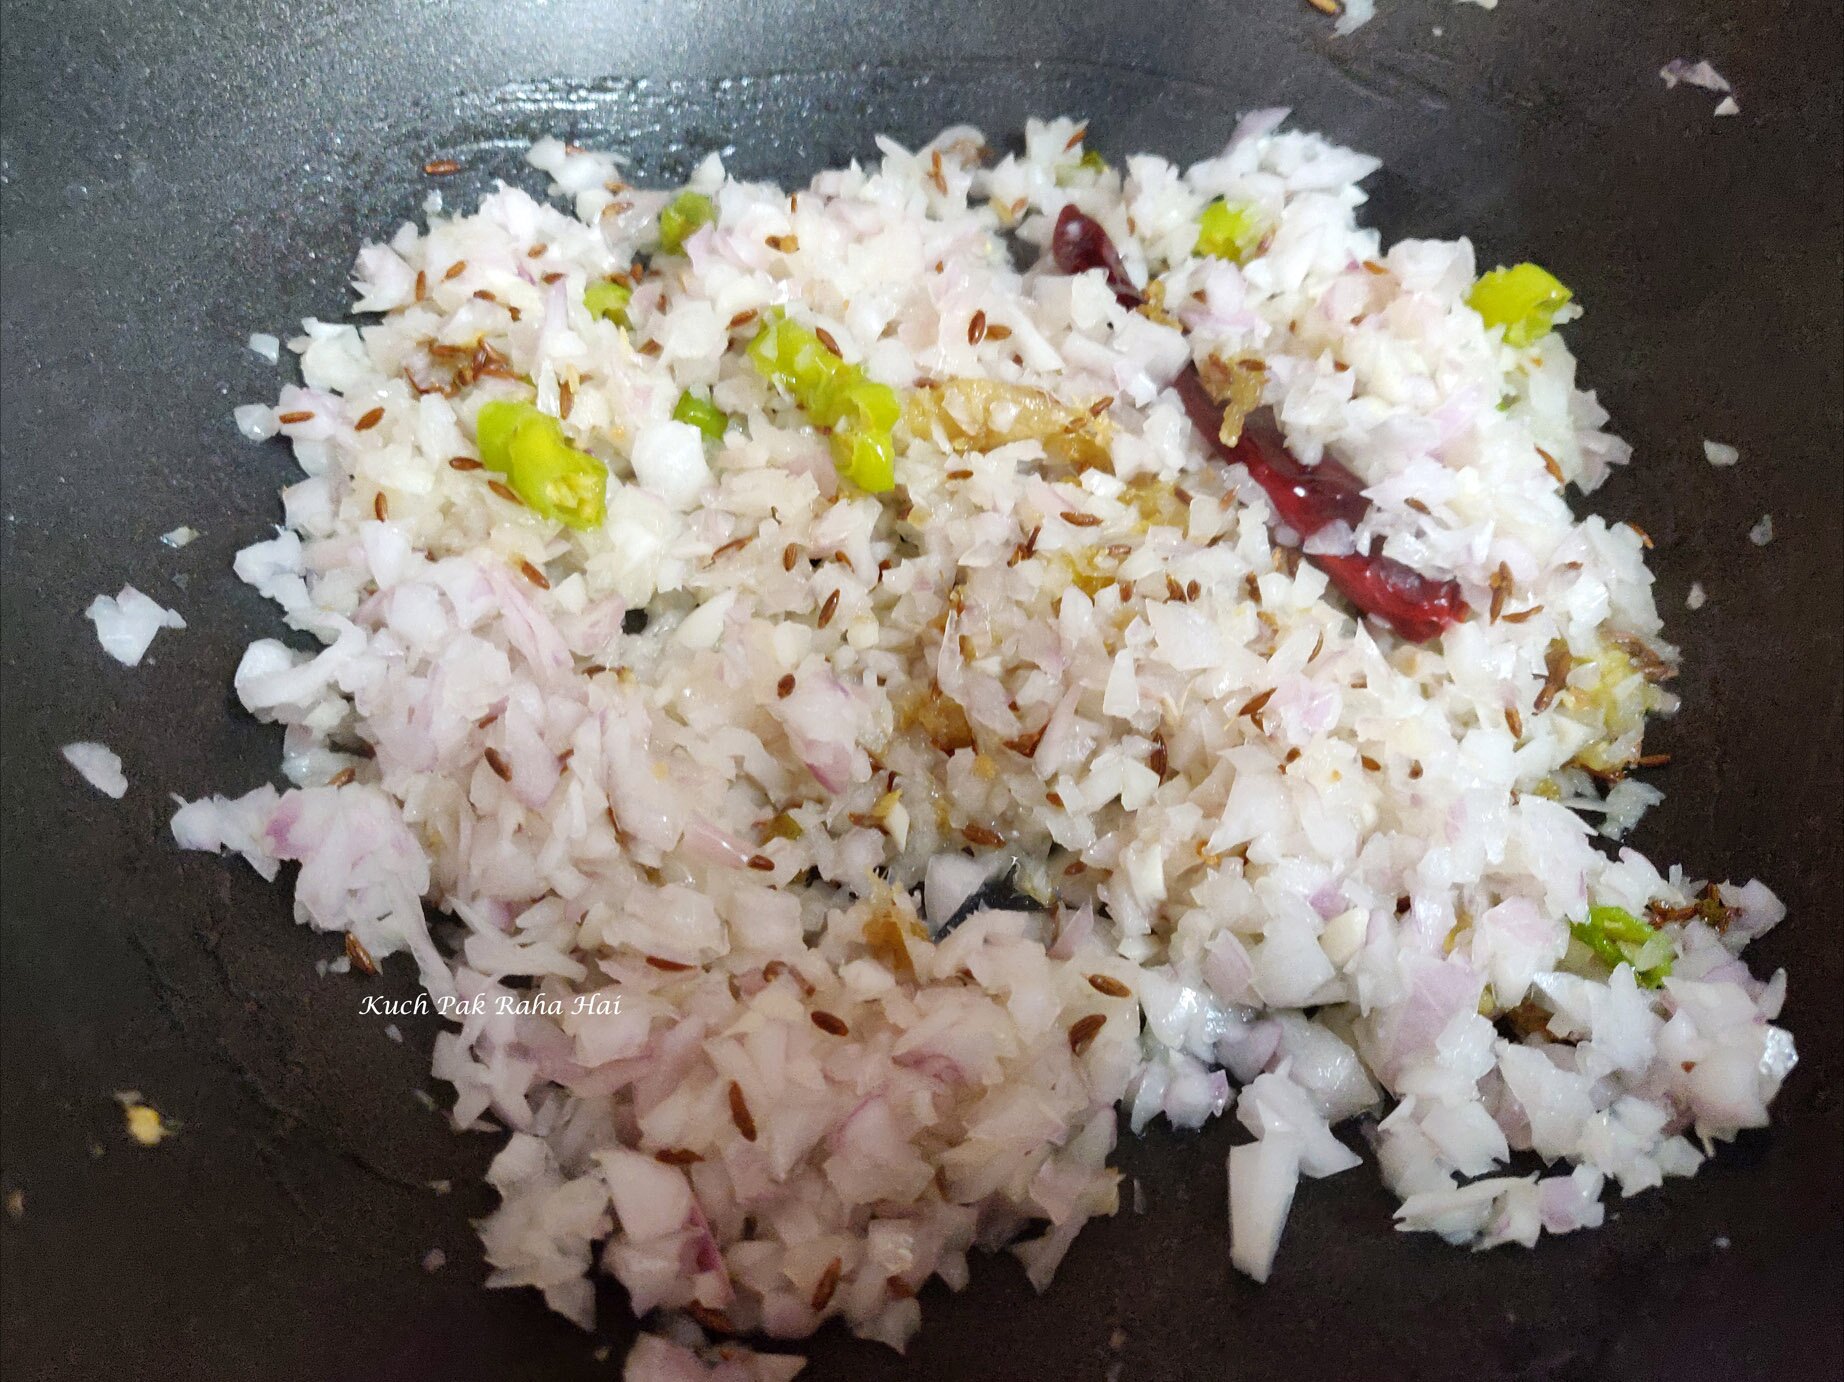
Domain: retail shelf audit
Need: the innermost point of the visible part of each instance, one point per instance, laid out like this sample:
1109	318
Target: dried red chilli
1307	498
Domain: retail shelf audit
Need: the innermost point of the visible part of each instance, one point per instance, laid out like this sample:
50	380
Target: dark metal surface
176	176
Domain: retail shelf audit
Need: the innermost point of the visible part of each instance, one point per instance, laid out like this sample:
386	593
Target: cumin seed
739	1113
827	1284
1082	1031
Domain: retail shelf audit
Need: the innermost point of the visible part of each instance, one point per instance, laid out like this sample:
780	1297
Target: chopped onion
100	768
126	623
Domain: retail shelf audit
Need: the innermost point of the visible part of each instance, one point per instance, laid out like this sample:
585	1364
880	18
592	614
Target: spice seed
830	608
369	421
785	687
976	328
828	1023
713	1320
739	1113
441	167
359	955
497	762
1082	1031
534	575
827	1284
982	835
1108	984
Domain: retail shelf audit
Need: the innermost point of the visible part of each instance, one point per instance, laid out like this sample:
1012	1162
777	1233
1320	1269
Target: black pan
178	175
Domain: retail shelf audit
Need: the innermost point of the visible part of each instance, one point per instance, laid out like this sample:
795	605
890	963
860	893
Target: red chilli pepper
1307	498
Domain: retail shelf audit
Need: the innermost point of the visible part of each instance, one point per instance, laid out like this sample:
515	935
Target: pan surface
178	176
